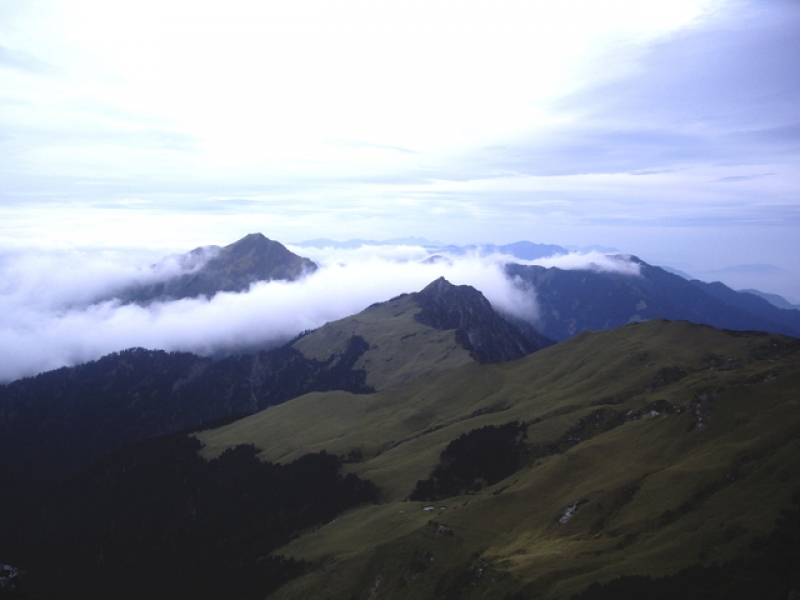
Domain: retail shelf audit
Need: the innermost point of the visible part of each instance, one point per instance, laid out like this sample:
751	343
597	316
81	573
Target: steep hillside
641	450
233	269
59	422
572	301
441	327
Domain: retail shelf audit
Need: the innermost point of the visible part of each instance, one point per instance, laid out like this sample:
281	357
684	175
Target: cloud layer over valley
55	311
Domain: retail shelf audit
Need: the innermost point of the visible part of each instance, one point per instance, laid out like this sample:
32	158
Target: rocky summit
408	337
234	268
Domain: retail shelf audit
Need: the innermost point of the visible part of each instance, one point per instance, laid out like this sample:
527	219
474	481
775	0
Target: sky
669	129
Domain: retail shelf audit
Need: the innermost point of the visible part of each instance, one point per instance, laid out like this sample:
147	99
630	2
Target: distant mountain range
773	299
427	447
572	301
522	250
256	258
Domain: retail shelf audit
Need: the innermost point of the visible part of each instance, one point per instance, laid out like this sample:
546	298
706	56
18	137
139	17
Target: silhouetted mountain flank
582	300
55	423
237	266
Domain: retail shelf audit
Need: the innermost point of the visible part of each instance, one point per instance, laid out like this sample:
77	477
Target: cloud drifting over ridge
52	315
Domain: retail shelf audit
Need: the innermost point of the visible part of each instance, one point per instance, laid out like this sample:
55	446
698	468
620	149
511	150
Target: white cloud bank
50	315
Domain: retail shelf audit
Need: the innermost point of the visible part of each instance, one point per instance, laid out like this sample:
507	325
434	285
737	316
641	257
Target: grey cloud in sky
725	73
676	142
726	91
22	61
734	178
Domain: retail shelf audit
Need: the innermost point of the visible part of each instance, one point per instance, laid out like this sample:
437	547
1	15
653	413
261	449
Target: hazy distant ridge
233	269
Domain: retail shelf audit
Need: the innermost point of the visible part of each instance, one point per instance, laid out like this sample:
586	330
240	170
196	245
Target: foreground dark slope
58	422
640	451
61	421
155	520
587	300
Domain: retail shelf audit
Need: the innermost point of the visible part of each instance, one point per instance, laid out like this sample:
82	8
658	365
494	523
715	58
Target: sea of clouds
59	309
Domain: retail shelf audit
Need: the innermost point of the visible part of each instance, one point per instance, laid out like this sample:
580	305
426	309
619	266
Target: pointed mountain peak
253	241
442	290
255	253
480	329
234	268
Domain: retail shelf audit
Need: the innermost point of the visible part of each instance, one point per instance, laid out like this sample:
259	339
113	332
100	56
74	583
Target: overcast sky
667	128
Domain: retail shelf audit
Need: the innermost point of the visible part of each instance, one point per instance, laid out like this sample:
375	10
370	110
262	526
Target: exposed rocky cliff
487	336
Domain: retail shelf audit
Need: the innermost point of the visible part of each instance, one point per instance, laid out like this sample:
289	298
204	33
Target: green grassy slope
652	490
401	349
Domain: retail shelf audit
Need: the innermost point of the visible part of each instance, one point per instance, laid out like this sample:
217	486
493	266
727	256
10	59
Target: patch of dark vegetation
598	421
776	348
666	376
762	377
773	573
609	400
476	459
356	455
613	505
698	498
626	541
499	491
720	363
432	429
488	410
157	521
